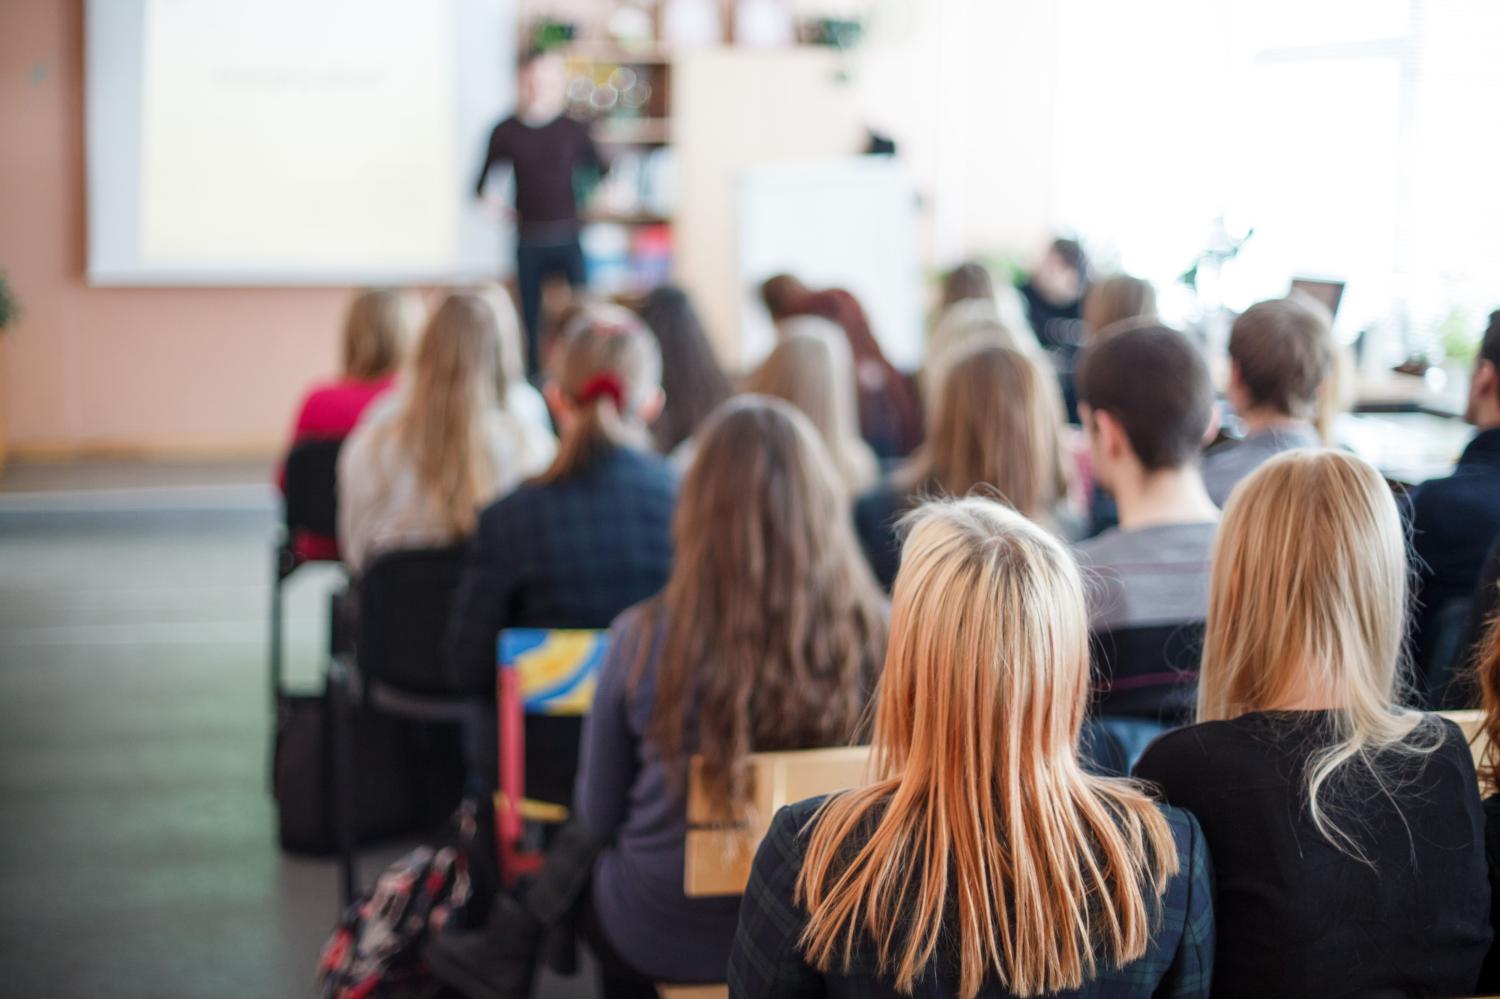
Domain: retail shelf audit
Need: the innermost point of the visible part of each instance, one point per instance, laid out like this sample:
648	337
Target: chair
1147	672
309	532
544	688
402	610
719	850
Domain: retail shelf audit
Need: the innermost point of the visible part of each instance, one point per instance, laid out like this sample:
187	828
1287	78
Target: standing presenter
544	148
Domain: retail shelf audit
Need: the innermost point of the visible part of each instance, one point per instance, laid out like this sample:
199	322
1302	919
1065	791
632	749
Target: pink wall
110	370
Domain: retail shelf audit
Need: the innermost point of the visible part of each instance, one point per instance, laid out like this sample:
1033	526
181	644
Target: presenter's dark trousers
536	261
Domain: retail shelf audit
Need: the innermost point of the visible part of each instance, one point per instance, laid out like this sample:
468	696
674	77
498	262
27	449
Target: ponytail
608	365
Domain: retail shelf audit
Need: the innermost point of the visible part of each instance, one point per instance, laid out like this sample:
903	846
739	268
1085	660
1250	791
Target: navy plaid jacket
567	554
766	961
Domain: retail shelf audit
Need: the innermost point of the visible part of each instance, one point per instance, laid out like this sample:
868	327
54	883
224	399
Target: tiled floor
137	849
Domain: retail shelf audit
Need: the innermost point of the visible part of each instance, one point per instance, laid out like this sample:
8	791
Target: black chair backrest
312	487
404	599
1149	672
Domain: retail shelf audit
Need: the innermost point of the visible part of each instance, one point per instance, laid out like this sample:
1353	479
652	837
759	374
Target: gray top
1227	464
1147	576
628	800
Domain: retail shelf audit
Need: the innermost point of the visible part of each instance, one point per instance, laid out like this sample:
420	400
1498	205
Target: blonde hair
774	624
379	326
811	368
440	427
964	325
1117	299
985	834
1309	590
512	355
608	365
997	425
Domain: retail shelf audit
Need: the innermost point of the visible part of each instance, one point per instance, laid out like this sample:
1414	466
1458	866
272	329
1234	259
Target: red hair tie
605	383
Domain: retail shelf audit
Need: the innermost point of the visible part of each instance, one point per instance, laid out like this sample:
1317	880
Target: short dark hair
1155	383
1489	346
1283	349
1071	252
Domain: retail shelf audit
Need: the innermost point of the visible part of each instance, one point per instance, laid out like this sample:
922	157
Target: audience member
996	429
778	293
890	415
1117	299
968	282
961	326
768	636
1455	519
1346	831
983	859
590	535
691	378
1147	403
1487	672
521	397
810	368
421	464
1280	354
1054	295
380	326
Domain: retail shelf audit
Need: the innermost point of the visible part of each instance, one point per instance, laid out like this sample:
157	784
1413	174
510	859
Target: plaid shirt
766	962
566	554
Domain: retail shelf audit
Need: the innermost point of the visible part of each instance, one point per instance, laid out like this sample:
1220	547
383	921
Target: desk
1407	448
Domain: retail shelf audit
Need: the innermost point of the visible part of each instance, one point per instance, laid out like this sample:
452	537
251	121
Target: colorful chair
544	689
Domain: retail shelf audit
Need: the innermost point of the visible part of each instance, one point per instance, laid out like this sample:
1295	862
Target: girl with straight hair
420	466
983	860
692	379
591	533
997	428
811	368
1118	298
768	636
1346	831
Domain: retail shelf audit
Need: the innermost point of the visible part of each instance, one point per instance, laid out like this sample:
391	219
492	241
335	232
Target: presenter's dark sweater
1297	916
545	158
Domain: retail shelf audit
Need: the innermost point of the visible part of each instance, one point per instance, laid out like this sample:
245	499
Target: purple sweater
625	796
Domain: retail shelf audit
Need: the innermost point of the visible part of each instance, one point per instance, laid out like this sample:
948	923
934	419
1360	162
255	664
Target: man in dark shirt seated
1456	519
545	148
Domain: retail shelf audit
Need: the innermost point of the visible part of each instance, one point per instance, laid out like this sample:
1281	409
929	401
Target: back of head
775	623
997	427
606	367
692	379
779	293
1283	351
1308	604
959	327
1484	389
1487	673
811	368
379	327
1155	384
978	785
1116	298
454	379
512	356
1489	344
969	281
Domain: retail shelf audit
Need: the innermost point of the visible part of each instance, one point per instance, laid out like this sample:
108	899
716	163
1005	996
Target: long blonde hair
774	623
441	424
997	425
1117	299
512	353
982	834
811	368
1309	591
608	365
378	329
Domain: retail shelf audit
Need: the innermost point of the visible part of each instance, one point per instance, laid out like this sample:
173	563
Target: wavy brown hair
997	426
773	624
1487	668
982	840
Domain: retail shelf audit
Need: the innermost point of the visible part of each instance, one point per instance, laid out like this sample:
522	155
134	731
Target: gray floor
137	849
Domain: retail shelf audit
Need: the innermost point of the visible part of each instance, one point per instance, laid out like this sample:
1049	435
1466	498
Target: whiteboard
848	223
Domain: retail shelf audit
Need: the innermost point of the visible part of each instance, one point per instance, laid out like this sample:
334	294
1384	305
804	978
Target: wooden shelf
633	131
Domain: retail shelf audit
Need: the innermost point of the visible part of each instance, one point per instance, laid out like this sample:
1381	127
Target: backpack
375	951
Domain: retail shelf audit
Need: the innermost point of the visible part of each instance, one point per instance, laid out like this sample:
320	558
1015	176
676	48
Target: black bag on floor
407	776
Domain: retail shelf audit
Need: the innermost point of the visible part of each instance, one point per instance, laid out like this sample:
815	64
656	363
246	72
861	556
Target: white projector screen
293	141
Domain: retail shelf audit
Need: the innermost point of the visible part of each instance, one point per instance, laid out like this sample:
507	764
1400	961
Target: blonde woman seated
1346	831
982	860
811	368
996	429
418	468
961	326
